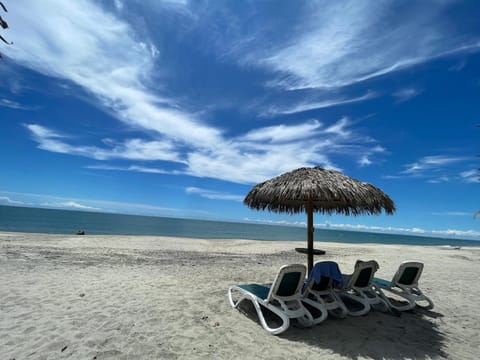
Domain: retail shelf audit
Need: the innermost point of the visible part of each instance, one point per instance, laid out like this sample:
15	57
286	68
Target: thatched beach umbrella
317	189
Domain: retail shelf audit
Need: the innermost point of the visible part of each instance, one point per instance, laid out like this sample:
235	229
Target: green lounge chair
359	288
321	287
283	297
405	285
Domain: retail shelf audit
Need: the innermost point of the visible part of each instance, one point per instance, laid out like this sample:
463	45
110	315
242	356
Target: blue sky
177	108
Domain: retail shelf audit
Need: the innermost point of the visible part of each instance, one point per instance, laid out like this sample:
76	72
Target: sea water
38	220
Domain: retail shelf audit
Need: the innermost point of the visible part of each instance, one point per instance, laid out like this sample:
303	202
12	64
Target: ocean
37	220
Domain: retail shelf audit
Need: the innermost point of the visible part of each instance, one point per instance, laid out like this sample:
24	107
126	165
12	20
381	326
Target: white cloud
91	51
131	149
459	66
345	42
214	195
69	205
14	105
457	233
440	179
59	202
251	163
256	156
470	176
340	128
105	56
118	5
414	231
6	200
452	213
432	162
438	169
406	94
283	133
364	161
315	105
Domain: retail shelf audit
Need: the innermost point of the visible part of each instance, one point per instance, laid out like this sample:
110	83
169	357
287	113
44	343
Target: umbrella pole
310	233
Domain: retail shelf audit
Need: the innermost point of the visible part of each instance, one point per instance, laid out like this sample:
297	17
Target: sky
179	107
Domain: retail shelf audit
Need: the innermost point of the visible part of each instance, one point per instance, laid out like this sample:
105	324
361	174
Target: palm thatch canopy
329	190
318	190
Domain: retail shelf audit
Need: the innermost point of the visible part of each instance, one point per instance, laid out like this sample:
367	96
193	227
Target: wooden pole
310	233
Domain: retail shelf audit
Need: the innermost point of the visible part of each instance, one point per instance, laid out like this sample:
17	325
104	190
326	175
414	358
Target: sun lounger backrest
363	274
288	285
408	273
288	282
364	277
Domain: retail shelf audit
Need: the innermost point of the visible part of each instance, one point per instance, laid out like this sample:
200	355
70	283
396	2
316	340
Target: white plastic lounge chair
321	284
359	287
405	285
283	297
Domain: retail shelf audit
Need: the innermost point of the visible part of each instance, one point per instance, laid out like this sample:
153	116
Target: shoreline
98	223
440	242
121	297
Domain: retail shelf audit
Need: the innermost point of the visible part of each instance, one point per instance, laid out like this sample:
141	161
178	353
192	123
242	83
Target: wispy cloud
8	201
98	62
406	94
283	133
436	169
14	105
433	162
414	231
316	105
452	213
470	176
364	161
338	43
134	168
459	66
59	202
214	195
253	157
133	149
70	205
119	82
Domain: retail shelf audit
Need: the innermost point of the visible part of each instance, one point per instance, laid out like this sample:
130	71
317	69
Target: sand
139	297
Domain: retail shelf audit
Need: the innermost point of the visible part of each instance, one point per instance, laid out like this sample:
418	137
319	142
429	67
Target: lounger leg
418	296
360	299
408	306
257	305
320	306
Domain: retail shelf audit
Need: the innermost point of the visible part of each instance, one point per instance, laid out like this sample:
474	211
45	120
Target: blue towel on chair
328	269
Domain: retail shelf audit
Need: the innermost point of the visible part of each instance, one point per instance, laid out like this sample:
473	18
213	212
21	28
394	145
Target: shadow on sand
376	335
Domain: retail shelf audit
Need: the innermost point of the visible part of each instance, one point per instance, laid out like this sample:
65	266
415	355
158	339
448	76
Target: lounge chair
283	297
321	284
359	288
405	285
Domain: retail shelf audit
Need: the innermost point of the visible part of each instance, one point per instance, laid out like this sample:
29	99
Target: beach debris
82	295
64	348
80	232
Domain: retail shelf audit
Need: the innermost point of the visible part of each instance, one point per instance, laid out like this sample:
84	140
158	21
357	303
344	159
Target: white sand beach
142	297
